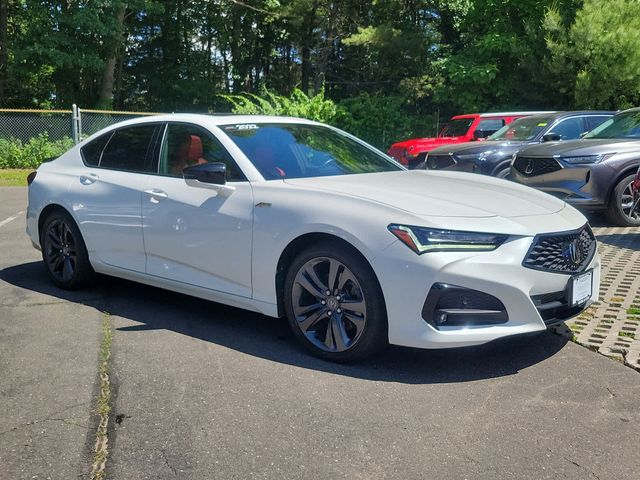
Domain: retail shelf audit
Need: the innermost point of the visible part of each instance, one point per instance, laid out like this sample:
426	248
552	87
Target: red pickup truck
461	128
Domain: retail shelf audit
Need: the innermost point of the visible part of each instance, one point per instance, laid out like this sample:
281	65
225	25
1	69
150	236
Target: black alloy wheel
64	252
624	207
334	304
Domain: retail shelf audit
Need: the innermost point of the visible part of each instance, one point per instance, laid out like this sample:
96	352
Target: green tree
595	60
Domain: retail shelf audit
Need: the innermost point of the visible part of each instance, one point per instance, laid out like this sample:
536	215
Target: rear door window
131	149
491	126
595	121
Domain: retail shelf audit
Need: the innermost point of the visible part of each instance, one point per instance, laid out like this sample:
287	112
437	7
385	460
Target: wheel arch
501	165
628	170
48	210
297	245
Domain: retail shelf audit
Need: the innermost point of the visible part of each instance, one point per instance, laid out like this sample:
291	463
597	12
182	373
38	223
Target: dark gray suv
594	173
493	156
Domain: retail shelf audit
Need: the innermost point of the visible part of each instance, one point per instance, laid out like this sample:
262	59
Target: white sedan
285	216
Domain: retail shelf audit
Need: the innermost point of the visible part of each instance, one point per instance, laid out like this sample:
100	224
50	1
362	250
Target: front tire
334	303
622	209
505	173
64	252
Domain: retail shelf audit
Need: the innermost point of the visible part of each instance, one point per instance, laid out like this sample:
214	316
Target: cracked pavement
204	391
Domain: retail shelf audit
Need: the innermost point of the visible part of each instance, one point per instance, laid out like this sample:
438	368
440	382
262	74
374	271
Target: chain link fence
58	125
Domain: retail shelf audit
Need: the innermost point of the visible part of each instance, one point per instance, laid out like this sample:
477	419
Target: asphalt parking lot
203	391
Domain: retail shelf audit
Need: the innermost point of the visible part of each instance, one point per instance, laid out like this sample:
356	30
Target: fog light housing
453	306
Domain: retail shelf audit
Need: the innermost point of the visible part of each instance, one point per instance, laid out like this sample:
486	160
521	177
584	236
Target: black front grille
438	162
531	167
566	252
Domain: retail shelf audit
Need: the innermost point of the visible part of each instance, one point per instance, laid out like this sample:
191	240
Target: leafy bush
16	154
298	104
378	119
382	120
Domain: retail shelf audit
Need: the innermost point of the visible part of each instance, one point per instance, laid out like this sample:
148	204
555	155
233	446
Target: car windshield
457	127
288	150
522	129
623	125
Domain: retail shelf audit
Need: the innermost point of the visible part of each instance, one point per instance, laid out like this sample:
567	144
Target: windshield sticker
542	124
242	126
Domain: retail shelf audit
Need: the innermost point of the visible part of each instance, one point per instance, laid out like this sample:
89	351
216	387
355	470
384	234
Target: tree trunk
307	29
4	46
327	50
106	91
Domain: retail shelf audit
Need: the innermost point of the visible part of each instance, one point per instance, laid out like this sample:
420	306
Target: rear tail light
31	177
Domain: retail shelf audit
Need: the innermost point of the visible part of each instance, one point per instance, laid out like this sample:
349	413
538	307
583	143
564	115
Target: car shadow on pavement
269	338
630	241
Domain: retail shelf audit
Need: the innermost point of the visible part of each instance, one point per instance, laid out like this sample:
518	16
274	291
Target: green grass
103	404
634	311
14	177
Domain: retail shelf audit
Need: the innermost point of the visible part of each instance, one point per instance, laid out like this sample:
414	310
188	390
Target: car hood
440	193
470	148
585	146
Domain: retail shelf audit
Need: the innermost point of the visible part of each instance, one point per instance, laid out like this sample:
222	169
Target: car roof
514	114
576	113
214	119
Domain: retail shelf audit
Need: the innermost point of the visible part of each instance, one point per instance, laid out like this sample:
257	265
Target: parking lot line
11	218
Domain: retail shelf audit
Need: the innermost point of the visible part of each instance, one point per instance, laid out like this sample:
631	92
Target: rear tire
64	252
619	210
334	303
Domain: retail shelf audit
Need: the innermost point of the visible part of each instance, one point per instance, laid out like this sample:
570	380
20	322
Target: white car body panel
225	246
199	236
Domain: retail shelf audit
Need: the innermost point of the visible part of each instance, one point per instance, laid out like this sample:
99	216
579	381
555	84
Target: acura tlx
289	217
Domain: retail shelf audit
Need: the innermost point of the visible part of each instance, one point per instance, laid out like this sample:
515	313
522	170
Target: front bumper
583	186
408	278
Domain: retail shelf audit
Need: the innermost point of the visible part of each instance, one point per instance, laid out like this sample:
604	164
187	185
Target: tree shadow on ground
268	338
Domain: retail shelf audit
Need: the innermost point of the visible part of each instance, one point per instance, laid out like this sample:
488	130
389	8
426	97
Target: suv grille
531	167
565	252
438	162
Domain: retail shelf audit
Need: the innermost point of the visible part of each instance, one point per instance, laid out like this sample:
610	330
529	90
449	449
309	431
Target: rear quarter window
92	151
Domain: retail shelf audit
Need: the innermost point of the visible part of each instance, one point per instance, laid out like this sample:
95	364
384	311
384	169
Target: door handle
156	195
88	179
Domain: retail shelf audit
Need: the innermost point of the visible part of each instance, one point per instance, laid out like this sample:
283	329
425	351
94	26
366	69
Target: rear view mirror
214	173
551	137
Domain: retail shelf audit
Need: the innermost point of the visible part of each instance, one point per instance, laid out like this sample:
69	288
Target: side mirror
551	137
213	173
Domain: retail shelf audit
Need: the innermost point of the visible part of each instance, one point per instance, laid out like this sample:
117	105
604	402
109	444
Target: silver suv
593	173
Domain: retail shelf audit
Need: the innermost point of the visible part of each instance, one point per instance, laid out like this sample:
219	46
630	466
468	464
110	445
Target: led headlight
585	159
423	240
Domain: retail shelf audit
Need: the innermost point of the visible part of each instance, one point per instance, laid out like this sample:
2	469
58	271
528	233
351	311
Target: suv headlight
584	159
423	240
